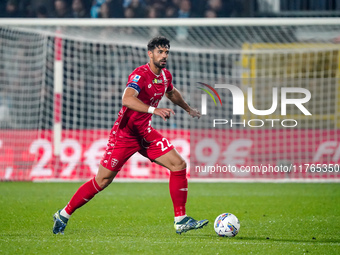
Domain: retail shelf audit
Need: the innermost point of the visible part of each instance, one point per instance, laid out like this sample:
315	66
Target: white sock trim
179	218
94	185
64	214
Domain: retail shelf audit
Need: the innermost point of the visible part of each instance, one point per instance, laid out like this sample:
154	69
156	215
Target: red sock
83	195
178	186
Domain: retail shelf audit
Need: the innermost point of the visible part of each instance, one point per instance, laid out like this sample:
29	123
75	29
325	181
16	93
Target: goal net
268	90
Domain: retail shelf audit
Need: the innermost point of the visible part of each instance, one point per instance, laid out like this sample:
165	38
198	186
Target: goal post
61	83
57	92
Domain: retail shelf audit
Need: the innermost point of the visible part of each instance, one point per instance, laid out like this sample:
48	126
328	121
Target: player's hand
194	113
165	113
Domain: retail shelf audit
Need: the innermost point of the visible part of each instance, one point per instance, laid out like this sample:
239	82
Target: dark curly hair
158	41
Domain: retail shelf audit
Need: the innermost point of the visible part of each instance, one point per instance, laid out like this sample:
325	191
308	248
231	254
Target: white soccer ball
227	224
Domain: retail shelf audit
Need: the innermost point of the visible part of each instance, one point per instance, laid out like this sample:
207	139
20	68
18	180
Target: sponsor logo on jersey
136	78
156	81
114	162
149	86
158	94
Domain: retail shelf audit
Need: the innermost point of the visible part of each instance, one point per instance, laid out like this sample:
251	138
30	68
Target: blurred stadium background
61	81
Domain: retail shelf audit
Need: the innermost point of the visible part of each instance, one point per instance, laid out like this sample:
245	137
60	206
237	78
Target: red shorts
118	151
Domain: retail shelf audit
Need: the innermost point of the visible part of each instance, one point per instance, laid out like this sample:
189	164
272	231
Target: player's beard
158	64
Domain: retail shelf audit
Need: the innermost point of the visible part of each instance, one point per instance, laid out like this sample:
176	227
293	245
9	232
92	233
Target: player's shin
178	186
84	194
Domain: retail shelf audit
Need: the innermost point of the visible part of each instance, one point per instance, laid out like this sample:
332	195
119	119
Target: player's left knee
180	165
104	182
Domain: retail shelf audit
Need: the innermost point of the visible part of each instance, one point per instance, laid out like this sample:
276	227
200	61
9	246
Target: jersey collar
148	65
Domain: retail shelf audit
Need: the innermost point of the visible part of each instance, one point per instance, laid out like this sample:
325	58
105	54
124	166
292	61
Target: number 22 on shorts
164	146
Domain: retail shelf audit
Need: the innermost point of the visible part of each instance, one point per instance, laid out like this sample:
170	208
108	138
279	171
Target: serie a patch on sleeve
136	78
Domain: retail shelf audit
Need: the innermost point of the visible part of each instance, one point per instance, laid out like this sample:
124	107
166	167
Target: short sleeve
136	81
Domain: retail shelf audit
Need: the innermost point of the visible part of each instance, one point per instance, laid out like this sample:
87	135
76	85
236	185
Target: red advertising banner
28	155
265	154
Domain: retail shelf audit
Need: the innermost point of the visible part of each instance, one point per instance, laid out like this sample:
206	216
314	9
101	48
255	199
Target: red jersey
151	88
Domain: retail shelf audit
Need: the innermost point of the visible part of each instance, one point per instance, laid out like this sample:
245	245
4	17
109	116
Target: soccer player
132	132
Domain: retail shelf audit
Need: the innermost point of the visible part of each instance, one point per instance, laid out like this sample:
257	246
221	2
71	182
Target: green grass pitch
137	218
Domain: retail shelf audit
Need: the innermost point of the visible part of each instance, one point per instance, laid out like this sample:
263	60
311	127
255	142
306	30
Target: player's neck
155	69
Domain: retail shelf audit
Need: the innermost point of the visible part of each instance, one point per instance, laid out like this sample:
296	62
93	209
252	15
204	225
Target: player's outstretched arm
131	101
176	97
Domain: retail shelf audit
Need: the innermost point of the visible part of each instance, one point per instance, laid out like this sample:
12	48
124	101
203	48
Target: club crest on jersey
114	162
156	81
136	78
